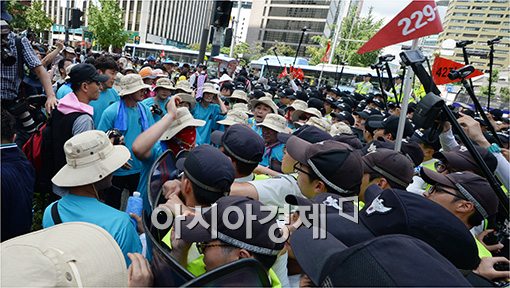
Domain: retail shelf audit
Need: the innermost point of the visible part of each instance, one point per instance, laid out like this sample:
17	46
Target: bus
269	66
145	50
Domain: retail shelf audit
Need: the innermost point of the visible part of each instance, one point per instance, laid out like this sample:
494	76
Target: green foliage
106	23
242	51
484	90
353	28
283	49
504	94
36	18
18	13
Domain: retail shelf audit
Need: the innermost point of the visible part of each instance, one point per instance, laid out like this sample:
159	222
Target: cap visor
216	137
376	124
298	201
283	137
314	261
180	163
194	233
296	147
101	78
432	177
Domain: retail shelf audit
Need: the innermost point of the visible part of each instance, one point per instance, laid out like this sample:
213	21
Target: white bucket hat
188	98
239	94
209	88
319	123
73	254
184	86
90	158
313	111
234	117
131	83
275	122
299	105
242	107
165	83
266	101
340	128
68	70
184	119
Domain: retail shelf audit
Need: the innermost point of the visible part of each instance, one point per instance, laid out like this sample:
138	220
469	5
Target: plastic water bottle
135	206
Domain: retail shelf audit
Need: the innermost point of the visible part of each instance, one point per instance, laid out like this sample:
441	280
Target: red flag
325	58
284	73
420	18
162	54
443	66
300	74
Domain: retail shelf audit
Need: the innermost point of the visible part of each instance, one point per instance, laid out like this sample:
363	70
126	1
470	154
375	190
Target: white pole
320	76
408	82
338	30
234	33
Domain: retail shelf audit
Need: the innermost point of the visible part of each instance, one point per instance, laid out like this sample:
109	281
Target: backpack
33	147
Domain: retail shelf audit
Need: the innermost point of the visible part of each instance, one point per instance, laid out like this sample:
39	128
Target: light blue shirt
253	124
106	98
162	105
210	115
74	208
64	90
134	129
276	153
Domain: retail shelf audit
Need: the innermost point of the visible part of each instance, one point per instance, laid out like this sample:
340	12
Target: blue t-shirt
210	115
64	90
74	208
253	124
106	98
275	154
134	129
162	105
156	151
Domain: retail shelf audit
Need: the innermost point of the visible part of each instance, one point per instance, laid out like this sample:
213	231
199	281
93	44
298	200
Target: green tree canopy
353	28
18	13
36	18
283	49
105	22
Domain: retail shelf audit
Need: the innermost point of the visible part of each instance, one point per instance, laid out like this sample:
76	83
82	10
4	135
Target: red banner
420	18
284	73
325	58
443	66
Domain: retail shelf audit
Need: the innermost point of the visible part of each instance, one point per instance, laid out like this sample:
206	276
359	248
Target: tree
484	90
106	24
283	49
36	18
18	13
353	28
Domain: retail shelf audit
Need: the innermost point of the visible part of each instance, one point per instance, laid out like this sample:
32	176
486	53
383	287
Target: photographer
15	53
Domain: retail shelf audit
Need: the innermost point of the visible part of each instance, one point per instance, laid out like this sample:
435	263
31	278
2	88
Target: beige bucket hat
184	86
299	105
131	83
340	128
275	122
184	119
90	158
73	254
239	94
266	101
312	111
234	117
165	83
242	107
188	98
319	123
209	88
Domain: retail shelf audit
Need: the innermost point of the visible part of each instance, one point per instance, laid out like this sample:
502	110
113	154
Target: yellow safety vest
482	251
363	87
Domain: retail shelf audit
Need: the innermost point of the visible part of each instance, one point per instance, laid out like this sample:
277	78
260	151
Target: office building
479	21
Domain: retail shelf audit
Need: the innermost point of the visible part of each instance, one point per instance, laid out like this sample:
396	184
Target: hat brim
227	122
455	160
186	90
432	177
101	78
296	147
165	87
217	135
211	91
271	105
197	233
170	133
362	114
283	137
272	127
73	177
134	89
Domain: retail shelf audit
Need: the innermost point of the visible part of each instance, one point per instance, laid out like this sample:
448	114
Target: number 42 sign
420	18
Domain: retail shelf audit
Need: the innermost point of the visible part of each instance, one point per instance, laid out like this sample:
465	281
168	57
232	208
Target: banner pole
407	93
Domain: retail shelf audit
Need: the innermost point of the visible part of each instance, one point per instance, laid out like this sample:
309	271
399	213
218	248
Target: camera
387	58
376	66
20	110
8	58
115	134
156	110
412	56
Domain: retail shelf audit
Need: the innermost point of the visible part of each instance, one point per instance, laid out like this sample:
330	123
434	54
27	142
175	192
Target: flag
325	58
420	18
284	73
442	67
162	53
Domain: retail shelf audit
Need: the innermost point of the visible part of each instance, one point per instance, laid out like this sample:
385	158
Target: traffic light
221	16
76	19
228	37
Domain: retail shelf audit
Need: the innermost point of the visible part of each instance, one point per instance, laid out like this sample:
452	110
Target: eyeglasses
298	168
437	188
201	246
440	166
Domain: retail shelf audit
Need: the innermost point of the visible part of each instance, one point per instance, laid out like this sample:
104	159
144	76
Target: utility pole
338	28
66	22
233	43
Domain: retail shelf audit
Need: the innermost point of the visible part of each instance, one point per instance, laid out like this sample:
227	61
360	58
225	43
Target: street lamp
299	45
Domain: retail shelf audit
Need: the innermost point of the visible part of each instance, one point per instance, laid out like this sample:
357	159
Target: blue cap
240	142
308	133
209	169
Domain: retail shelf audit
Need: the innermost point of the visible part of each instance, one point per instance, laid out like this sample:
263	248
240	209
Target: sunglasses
201	246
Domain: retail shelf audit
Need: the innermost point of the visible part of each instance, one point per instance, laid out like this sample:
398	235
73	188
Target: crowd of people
350	209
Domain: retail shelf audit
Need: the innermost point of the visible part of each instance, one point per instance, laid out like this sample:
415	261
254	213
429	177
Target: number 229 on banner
420	18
